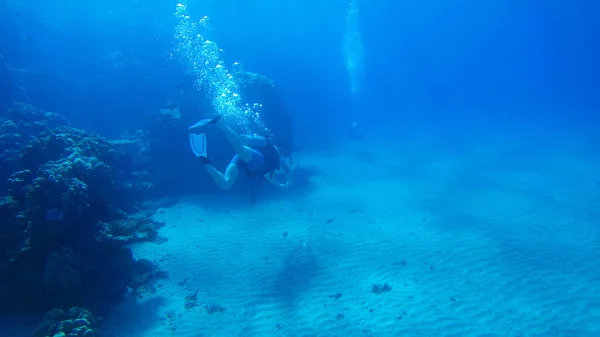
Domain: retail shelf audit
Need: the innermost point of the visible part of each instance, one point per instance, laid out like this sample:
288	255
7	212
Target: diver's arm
287	184
272	181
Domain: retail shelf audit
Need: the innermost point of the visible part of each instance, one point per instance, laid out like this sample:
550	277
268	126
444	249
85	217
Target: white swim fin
198	144
197	128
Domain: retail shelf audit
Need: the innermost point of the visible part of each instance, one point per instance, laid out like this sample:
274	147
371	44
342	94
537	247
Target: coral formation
68	210
76	322
19	123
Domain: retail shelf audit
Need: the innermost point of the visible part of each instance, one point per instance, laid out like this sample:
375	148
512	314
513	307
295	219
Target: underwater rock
171	167
166	119
193	105
132	150
165	127
133	181
257	88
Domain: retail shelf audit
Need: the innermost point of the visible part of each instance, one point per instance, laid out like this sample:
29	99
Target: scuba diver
356	132
256	155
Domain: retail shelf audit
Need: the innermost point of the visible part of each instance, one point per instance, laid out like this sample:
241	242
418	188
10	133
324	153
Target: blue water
508	89
505	63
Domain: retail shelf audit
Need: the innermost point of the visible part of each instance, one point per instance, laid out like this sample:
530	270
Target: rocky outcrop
257	88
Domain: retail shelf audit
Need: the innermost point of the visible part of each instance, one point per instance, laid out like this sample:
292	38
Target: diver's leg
257	142
234	139
224	181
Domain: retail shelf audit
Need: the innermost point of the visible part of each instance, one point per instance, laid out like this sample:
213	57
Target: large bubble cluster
202	60
353	47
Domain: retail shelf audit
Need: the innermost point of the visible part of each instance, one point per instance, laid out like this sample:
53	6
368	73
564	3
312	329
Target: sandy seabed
469	245
484	243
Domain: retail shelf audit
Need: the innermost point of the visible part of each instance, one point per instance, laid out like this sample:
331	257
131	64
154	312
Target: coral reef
138	227
19	123
74	323
133	178
145	274
70	206
166	140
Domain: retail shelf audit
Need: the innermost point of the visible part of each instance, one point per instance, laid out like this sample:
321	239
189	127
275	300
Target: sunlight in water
353	48
202	60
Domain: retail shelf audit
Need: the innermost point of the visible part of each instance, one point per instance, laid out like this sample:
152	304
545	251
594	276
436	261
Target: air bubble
203	61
